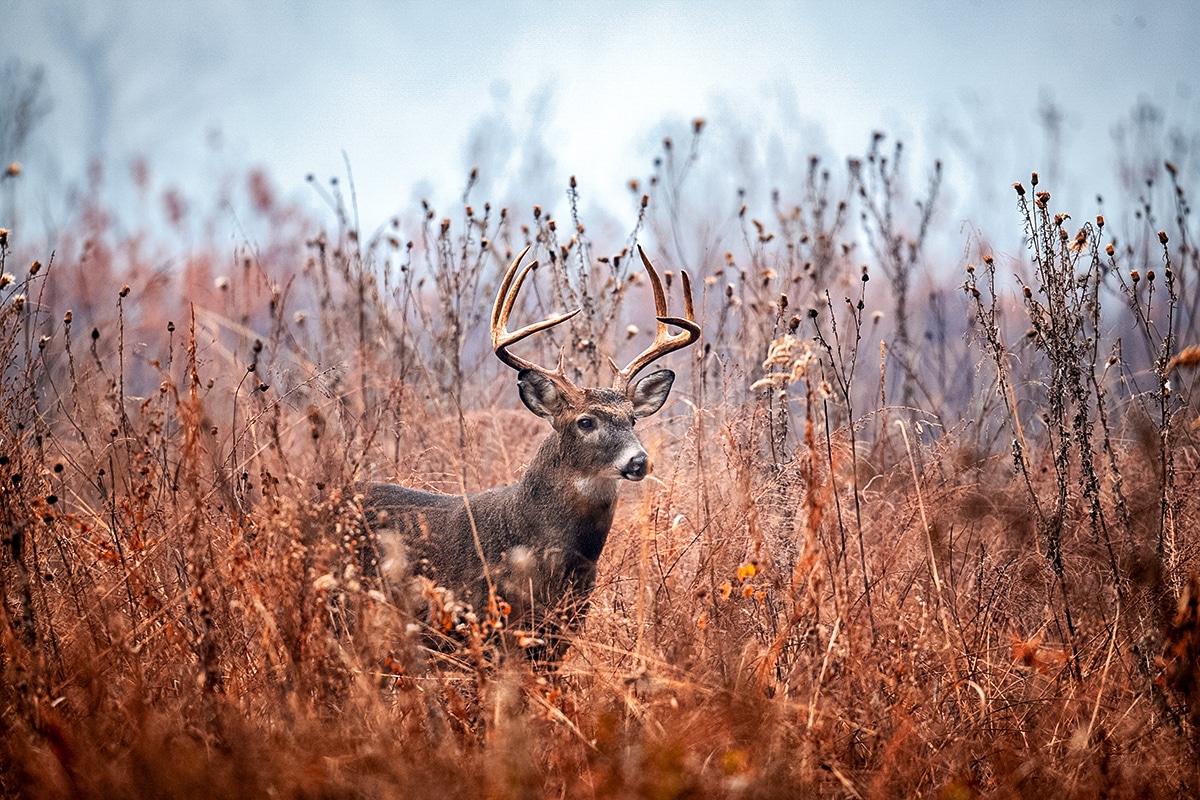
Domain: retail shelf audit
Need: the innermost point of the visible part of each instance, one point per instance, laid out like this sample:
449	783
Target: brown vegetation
984	590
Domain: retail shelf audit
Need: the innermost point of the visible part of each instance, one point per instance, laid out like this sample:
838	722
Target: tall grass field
923	522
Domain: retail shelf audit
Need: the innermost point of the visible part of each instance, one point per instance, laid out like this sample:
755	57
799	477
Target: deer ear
649	394
539	394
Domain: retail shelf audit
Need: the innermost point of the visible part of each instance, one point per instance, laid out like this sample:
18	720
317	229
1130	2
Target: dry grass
821	593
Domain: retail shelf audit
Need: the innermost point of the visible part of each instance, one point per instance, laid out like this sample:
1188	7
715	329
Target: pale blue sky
416	93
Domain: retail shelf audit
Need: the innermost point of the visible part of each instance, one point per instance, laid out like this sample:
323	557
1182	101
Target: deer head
594	426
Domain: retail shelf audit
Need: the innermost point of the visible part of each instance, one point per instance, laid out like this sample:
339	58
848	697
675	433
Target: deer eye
586	423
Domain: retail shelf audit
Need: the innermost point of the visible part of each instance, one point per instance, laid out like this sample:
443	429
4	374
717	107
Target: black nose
637	468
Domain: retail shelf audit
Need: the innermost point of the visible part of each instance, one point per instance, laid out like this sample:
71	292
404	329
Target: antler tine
506	298
664	342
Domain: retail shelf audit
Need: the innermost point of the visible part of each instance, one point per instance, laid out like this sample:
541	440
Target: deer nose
637	468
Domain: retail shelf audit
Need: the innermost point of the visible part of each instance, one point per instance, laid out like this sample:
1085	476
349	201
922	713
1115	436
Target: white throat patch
594	486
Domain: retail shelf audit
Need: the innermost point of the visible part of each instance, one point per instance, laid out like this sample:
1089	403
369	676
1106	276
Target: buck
533	546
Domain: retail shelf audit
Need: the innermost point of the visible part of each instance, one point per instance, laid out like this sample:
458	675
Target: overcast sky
416	93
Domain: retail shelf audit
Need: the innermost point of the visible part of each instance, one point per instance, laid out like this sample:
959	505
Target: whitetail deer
534	544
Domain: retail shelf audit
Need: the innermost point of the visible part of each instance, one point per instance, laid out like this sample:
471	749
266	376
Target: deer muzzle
638	467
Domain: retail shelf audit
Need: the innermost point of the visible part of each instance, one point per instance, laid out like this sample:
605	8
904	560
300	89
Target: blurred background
129	99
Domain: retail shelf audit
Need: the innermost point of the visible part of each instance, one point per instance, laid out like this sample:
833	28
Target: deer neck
578	507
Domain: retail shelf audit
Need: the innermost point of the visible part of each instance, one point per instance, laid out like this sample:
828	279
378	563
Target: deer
532	547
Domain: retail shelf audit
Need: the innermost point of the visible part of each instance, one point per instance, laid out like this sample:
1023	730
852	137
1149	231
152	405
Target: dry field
914	530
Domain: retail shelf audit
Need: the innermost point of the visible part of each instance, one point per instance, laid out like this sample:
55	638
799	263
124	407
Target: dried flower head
790	354
1080	241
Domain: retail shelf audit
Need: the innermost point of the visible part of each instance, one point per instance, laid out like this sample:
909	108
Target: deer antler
664	342
506	297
